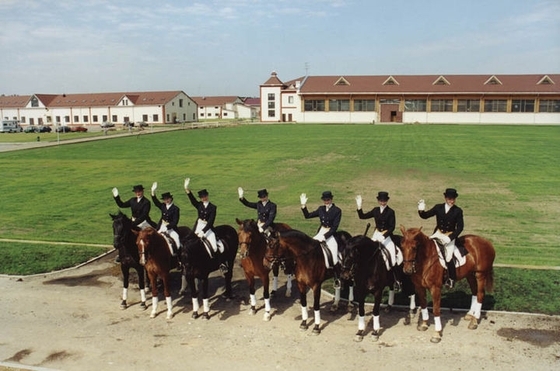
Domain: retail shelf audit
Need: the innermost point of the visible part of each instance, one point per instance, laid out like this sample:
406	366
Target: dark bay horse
422	263
363	262
252	248
158	260
310	269
197	264
124	240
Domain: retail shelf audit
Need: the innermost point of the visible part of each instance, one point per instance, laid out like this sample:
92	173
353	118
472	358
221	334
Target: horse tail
490	281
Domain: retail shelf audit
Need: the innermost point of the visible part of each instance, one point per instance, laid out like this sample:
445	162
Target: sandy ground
72	321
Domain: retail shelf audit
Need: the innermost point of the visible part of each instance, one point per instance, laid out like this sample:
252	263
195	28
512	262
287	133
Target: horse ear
136	232
238	221
403	229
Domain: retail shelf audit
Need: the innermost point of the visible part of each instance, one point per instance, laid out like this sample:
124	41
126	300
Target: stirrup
449	283
224	268
336	283
397	286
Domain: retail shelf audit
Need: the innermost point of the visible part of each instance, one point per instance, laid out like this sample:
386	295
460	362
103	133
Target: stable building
424	99
227	107
159	107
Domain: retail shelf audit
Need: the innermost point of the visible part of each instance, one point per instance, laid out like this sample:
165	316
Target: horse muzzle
409	267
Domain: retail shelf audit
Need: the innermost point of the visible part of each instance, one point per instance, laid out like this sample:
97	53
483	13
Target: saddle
173	248
329	261
458	257
210	250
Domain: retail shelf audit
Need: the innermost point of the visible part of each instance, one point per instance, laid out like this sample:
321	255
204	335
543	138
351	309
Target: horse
421	261
125	242
363	262
310	267
157	258
252	248
197	263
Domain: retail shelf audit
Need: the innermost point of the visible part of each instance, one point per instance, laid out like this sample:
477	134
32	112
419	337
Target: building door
390	113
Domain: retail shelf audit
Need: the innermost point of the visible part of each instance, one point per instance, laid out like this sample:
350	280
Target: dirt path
71	321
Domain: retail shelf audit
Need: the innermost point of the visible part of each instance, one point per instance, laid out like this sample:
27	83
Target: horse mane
296	234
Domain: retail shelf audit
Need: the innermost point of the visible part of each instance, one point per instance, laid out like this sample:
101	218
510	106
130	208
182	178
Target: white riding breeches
449	247
209	234
331	243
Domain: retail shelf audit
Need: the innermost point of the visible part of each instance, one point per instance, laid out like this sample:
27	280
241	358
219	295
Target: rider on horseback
139	206
384	218
204	225
449	219
329	215
169	216
266	210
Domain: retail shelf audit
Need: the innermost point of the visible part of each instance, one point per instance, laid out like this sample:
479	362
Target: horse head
409	247
144	241
248	236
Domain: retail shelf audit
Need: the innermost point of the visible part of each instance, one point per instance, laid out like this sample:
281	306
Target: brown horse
421	261
252	247
156	257
310	268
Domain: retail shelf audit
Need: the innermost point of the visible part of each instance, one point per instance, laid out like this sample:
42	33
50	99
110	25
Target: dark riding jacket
170	215
206	213
384	221
265	213
329	219
452	221
140	209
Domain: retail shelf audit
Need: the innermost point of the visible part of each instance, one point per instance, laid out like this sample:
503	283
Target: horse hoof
153	315
252	311
407	320
195	315
359	336
375	335
388	308
123	304
288	293
422	327
303	325
473	324
273	293
316	330
334	307
468	317
169	316
266	316
143	305
436	338
206	315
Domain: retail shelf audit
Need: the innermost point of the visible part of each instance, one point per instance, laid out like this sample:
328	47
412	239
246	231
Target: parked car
63	129
142	124
128	124
78	128
44	129
31	129
107	124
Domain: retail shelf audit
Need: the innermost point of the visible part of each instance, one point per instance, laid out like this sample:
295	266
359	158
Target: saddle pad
458	258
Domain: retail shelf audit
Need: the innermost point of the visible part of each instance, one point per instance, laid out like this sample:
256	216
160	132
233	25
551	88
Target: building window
271	113
34	102
271	96
339	105
114	118
94	118
181	103
145	118
549	105
155	118
76	118
105	118
271	105
314	105
291	99
85	118
523	105
23	119
362	105
468	105
201	114
209	114
225	114
125	102
495	105
441	105
415	105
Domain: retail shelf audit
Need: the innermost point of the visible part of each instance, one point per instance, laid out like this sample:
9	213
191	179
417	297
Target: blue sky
219	47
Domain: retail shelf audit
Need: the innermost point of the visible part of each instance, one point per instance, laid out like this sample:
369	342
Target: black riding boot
224	267
397	286
451	275
336	270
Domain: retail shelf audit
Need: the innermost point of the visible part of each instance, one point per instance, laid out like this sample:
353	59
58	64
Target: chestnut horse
125	242
198	264
252	247
310	268
362	261
421	261
158	260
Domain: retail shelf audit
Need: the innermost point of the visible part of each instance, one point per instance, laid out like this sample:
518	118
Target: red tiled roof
215	100
253	101
426	84
14	101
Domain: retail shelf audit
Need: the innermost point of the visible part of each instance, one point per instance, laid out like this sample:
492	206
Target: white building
161	107
488	99
226	108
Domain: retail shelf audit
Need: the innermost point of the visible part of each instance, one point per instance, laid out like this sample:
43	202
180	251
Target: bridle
413	260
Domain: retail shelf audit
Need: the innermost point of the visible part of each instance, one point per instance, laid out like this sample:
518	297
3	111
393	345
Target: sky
227	47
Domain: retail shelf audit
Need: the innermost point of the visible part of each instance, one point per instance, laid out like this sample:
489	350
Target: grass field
507	177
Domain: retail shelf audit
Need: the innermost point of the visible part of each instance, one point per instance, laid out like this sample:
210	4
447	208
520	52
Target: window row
85	119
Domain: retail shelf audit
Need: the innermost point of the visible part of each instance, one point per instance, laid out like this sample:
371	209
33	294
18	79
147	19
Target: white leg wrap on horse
425	315
275	283
143	295
478	310
253	299
412	301
124	294
437	323
267	305
195	305
304	315
351	293
289	282
336	295
473	305
317	317
391	299
169	303
154	304
376	325
206	305
361	323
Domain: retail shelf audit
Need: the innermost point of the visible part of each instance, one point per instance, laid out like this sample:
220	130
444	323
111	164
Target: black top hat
383	196
450	193
327	195
262	193
202	193
166	195
137	188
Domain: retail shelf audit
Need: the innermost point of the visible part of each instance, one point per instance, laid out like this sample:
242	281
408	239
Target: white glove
240	192
445	239
260	229
154	187
359	202
115	192
303	199
321	238
421	205
201	234
378	236
186	184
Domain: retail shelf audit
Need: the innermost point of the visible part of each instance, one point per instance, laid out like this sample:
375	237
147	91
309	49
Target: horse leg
275	272
167	294
423	320
316	309
350	305
361	318
194	296
303	301
142	283
252	297
228	293
390	301
334	306
289	278
184	284
376	306
476	304
411	310
153	278
266	282
126	275
473	286
205	301
436	299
